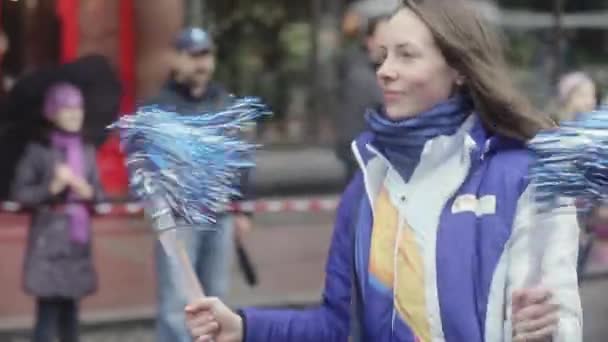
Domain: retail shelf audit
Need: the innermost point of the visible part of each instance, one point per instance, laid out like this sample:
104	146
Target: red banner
68	13
127	55
110	159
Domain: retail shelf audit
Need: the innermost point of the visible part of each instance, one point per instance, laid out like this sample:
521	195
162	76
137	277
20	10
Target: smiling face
64	107
194	70
69	119
414	75
203	68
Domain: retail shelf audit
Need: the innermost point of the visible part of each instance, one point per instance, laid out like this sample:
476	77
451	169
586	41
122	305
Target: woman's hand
535	316
209	319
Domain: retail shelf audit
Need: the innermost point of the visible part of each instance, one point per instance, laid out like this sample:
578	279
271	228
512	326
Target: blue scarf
402	141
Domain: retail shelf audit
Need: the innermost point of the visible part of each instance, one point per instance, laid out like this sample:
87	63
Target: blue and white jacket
470	202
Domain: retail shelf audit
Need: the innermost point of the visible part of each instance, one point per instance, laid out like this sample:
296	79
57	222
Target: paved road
124	249
595	310
593	295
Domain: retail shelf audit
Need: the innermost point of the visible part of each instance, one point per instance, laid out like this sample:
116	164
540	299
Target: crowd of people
57	179
426	102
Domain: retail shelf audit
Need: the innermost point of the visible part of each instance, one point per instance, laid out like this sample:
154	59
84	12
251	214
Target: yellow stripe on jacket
409	295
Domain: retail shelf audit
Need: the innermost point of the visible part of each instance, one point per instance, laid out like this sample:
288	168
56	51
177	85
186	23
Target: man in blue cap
191	90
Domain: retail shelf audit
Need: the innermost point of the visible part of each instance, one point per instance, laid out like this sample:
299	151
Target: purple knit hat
61	95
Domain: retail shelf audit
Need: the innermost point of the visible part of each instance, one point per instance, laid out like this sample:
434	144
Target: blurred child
56	178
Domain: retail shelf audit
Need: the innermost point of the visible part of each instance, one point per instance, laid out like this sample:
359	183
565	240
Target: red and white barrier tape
313	204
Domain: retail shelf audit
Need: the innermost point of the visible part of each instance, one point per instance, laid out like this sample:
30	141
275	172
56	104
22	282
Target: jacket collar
473	132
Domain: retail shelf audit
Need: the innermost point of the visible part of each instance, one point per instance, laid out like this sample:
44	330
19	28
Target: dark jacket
177	97
54	265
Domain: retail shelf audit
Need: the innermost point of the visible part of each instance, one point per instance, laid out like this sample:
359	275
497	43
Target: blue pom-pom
572	161
193	161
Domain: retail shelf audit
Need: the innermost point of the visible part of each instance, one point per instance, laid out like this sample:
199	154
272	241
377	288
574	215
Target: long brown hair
472	46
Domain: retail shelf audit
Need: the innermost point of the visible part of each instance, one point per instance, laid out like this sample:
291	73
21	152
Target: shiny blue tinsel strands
572	161
193	161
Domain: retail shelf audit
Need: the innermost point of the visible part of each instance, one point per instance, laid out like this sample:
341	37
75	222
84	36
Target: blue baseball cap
194	40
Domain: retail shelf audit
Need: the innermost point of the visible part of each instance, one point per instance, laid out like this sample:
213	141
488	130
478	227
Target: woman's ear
459	80
458	77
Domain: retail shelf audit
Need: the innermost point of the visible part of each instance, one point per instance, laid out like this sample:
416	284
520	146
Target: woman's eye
406	54
378	61
382	56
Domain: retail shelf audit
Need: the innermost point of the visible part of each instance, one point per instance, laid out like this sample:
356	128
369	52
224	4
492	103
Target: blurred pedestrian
56	179
434	238
191	90
577	93
359	90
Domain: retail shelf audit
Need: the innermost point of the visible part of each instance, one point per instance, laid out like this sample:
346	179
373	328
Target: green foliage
520	48
295	40
263	46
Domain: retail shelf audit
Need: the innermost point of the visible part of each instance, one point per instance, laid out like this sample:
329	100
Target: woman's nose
386	71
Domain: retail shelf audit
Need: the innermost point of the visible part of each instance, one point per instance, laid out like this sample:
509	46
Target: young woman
435	238
55	178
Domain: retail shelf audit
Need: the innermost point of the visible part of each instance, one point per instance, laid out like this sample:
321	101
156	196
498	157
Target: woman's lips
392	96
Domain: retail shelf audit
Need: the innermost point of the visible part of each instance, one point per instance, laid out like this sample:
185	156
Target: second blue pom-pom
572	161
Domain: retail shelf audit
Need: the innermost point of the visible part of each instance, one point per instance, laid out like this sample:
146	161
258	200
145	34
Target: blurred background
289	53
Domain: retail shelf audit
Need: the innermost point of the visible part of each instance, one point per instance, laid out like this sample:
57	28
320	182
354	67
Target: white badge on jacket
486	205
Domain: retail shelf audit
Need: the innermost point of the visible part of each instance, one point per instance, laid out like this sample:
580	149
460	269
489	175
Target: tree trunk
326	17
194	15
558	39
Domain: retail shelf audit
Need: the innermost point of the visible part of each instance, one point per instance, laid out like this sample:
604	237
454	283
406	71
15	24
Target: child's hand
63	172
64	177
61	178
82	188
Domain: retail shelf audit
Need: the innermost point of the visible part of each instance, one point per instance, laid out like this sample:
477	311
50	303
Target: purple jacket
470	194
